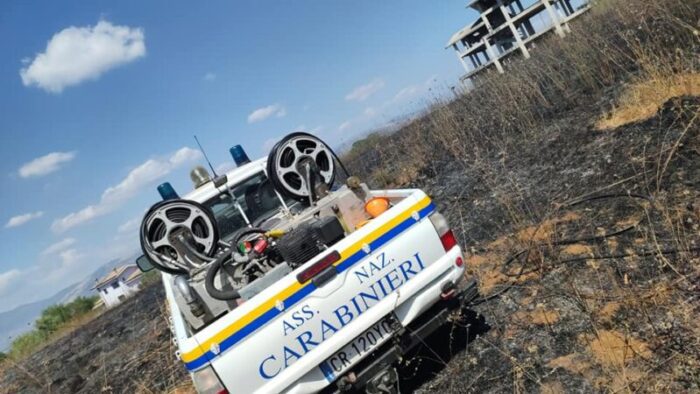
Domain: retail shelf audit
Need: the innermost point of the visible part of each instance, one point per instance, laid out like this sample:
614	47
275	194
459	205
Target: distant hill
21	319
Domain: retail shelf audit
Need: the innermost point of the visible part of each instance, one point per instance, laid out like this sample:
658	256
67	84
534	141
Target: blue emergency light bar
167	192
239	155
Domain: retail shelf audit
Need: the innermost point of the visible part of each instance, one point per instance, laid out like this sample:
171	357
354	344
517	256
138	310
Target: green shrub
51	320
150	277
55	316
27	343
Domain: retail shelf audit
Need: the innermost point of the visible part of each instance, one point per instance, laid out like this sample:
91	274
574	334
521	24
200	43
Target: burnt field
126	349
604	314
575	192
600	292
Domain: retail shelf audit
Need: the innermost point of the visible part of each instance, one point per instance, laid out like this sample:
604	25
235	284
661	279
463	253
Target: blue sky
99	101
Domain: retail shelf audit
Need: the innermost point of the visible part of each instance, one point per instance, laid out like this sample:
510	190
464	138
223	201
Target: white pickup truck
382	272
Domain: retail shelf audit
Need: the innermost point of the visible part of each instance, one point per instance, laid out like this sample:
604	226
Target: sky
99	102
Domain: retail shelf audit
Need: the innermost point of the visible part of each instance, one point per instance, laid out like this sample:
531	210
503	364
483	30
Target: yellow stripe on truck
296	286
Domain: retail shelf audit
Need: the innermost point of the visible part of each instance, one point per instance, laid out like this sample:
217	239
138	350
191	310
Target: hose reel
298	164
179	235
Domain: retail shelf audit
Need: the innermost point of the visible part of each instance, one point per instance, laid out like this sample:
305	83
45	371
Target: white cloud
130	225
316	130
50	274
269	143
209	77
58	246
263	113
225	167
19	220
8	280
369	111
70	257
76	54
344	126
137	180
45	164
363	92
406	93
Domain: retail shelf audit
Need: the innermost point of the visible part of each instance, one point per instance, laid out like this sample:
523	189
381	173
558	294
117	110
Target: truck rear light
206	382
447	237
448	240
318	267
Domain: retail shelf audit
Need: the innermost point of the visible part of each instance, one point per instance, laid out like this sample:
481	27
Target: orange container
376	206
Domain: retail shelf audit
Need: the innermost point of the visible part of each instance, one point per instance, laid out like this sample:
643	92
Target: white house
119	284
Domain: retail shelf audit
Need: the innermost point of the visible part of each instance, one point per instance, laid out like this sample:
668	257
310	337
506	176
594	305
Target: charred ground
604	314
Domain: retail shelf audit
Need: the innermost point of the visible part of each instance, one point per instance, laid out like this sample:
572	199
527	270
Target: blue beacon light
167	192
239	155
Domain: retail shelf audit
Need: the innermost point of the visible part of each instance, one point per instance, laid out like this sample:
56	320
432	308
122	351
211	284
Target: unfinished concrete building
507	27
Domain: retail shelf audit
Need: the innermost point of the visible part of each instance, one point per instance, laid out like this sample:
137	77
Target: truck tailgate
291	328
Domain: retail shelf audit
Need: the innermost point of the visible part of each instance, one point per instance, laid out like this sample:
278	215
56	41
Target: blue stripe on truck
271	313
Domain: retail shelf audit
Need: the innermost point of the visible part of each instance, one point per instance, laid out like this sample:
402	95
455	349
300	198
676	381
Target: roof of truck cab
235	176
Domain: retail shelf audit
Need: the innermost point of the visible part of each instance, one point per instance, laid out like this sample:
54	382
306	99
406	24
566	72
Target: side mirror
144	263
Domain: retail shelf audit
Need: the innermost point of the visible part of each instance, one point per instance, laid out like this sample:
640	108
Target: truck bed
281	340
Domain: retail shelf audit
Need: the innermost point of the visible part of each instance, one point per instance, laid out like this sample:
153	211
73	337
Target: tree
81	306
52	318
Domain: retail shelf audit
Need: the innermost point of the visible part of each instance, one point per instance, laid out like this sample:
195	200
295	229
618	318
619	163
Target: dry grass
642	100
615	349
539	316
607	325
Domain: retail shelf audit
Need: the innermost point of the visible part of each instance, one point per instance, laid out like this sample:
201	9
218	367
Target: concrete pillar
566	11
487	23
520	5
491	52
459	56
514	31
554	17
566	27
471	57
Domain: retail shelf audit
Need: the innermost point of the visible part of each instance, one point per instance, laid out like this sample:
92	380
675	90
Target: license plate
351	353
